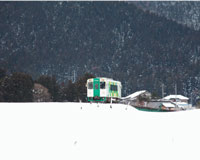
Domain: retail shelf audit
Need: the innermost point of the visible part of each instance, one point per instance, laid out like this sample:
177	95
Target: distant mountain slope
184	12
111	39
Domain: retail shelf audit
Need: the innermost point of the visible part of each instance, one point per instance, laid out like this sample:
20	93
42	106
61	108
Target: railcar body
103	89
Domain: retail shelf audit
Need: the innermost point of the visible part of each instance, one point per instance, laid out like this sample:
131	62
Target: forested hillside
184	12
110	39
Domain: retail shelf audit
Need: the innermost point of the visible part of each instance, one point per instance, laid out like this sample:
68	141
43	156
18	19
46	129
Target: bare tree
41	93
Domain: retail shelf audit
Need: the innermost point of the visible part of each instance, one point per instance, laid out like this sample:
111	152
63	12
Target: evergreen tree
69	92
17	88
50	83
1	96
2	73
81	87
155	95
1	92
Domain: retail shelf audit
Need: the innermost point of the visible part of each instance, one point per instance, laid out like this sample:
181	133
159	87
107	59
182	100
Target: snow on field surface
68	131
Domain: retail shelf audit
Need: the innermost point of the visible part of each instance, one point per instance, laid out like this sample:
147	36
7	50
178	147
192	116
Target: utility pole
175	89
74	76
163	93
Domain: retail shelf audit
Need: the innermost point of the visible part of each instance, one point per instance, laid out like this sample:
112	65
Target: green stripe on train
96	87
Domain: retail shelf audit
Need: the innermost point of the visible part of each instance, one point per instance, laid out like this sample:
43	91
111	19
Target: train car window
96	86
90	85
113	88
102	85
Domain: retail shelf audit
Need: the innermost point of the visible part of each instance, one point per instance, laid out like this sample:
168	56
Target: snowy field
82	131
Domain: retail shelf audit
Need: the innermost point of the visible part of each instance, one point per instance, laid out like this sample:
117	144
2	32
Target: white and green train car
103	89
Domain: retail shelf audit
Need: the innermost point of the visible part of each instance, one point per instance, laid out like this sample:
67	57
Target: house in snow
176	98
138	95
168	106
137	98
179	100
142	100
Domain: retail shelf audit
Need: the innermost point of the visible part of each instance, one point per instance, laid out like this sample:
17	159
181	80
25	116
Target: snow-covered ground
68	131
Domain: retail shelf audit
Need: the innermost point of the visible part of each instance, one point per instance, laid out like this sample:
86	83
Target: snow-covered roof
169	105
176	97
134	95
181	104
104	79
